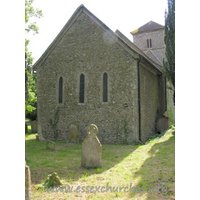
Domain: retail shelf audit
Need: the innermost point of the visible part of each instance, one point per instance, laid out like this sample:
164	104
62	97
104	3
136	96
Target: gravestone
91	149
27	183
74	133
34	126
50	145
162	124
37	137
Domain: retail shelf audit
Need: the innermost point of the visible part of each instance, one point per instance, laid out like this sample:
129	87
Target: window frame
105	88
80	92
149	43
58	89
108	88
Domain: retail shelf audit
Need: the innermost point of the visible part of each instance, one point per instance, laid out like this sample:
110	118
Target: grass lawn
27	120
144	167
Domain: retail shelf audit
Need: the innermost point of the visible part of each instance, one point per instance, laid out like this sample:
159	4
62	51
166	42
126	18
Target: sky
126	16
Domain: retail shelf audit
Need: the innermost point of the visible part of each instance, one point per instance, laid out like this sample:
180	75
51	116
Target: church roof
128	46
151	25
151	55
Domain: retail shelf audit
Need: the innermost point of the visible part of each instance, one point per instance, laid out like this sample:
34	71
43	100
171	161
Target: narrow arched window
60	95
82	88
105	87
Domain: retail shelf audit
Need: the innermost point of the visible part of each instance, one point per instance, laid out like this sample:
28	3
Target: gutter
139	103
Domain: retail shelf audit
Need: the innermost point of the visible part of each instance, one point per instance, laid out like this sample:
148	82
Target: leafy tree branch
169	65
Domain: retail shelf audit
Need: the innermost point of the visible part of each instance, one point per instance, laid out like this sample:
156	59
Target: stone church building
97	76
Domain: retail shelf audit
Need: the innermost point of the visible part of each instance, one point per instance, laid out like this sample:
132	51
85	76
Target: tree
31	12
30	77
169	38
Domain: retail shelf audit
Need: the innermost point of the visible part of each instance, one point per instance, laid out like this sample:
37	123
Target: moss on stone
53	180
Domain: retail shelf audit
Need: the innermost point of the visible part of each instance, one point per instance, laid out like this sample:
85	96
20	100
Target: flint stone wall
86	48
150	102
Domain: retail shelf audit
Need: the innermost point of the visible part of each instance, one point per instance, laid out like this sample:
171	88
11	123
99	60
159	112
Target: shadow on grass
157	170
157	174
66	161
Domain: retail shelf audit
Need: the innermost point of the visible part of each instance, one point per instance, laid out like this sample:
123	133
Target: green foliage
99	170
28	55
31	12
169	65
172	127
54	123
172	117
30	95
30	77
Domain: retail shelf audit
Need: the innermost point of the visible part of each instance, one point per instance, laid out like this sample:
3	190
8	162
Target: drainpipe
165	94
139	103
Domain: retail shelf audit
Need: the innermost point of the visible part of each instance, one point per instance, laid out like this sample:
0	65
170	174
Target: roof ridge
59	36
154	56
116	37
69	23
151	25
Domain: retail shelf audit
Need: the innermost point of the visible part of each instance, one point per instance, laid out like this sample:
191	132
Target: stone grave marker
74	133
37	137
34	126
162	124
27	183
91	149
50	145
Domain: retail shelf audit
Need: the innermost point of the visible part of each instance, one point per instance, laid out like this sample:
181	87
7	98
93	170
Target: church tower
150	39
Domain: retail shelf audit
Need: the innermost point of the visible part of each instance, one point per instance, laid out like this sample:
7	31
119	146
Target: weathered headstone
37	137
50	145
91	149
27	183
74	133
34	126
162	124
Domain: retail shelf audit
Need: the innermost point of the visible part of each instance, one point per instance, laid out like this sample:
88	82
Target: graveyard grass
144	166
